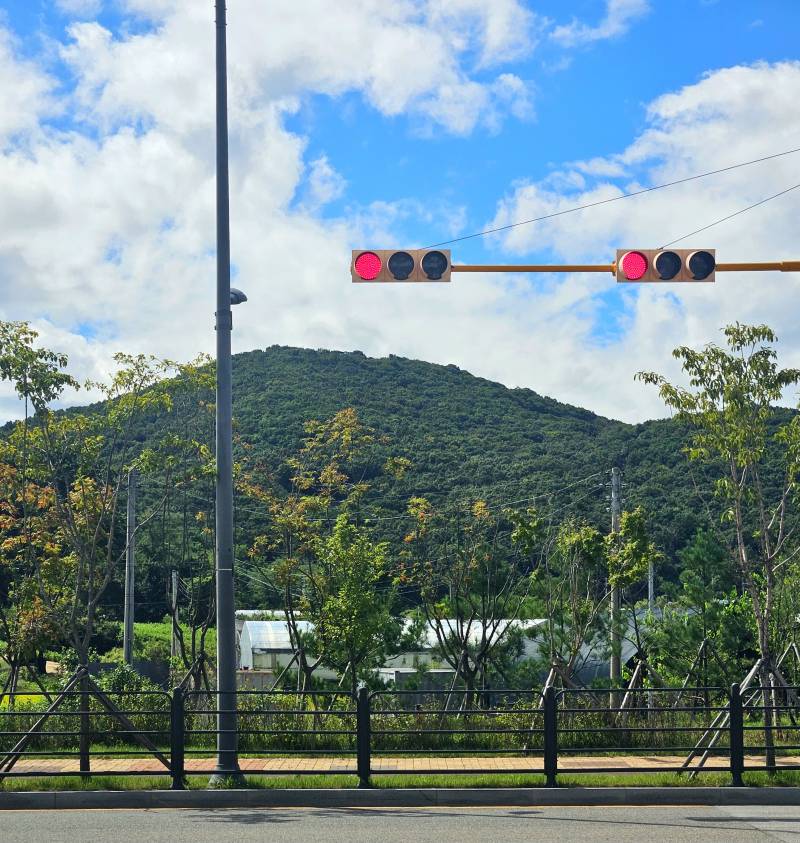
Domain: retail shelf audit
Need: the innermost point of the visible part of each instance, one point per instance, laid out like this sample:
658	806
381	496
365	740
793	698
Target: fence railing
74	725
550	733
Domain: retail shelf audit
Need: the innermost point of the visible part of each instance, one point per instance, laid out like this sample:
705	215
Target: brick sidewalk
311	766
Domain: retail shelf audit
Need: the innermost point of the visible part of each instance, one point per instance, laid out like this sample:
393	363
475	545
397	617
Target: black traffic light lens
434	265
667	265
401	265
701	265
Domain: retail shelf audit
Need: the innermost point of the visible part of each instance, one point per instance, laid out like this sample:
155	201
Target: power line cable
613	199
731	216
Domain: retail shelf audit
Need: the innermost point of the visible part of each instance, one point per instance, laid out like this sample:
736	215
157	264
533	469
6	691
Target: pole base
226	781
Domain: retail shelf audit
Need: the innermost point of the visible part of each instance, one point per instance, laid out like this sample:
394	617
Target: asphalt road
375	825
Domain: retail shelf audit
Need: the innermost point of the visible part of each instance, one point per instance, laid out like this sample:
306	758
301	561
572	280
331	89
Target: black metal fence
551	732
57	728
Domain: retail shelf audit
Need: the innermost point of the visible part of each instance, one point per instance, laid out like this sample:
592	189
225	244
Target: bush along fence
84	731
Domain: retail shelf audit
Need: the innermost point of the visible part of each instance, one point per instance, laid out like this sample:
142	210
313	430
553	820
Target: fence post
177	728
84	739
550	736
736	724
363	736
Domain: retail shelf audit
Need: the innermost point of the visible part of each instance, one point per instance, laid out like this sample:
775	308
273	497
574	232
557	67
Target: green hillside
466	438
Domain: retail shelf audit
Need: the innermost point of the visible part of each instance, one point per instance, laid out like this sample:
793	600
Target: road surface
376	825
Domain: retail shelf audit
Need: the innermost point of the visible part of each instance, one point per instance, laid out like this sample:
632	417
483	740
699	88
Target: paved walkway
305	766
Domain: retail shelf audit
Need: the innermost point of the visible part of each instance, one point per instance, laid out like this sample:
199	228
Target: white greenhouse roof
450	625
270	636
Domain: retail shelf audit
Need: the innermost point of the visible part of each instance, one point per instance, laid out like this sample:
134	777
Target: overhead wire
463	502
613	199
731	216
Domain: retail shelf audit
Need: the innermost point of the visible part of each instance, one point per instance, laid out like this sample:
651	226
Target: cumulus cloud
107	228
324	183
80	8
27	91
107	224
404	57
732	115
619	16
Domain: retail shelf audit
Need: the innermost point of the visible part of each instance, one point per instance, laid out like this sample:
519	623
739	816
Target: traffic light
666	264
379	265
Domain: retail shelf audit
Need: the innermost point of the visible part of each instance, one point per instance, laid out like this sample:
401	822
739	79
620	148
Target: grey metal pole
130	569
173	601
616	642
227	761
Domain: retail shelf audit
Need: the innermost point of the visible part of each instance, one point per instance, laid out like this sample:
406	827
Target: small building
267	646
265	650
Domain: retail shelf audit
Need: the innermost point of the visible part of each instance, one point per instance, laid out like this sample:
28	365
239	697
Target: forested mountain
466	438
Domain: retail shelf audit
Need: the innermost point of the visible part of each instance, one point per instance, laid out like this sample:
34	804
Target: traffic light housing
387	265
666	265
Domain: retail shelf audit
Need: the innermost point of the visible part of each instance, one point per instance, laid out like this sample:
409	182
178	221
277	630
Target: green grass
498	780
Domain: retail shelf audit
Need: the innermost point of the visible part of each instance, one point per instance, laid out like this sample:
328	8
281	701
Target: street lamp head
237	296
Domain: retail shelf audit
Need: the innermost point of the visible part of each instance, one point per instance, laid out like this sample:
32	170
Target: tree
182	462
472	590
574	568
571	584
732	418
83	459
328	477
29	558
354	627
696	630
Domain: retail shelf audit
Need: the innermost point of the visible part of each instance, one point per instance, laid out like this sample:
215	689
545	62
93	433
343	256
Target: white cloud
405	57
80	8
619	16
324	183
503	29
111	232
732	115
27	92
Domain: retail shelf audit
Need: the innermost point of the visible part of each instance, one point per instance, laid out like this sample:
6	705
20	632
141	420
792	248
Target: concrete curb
398	798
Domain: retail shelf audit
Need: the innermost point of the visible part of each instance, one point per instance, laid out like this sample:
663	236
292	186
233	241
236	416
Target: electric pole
227	739
616	642
130	569
173	649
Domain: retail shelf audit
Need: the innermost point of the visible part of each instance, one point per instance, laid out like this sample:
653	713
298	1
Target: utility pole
130	569
615	671
173	648
227	761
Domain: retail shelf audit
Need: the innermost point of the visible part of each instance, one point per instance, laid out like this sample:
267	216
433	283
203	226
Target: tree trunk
766	696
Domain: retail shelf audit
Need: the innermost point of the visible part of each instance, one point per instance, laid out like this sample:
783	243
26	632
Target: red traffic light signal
386	265
666	264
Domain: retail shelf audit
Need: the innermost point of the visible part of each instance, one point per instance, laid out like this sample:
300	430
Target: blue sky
467	114
591	107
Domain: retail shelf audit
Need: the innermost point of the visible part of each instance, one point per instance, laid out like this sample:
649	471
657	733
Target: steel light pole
227	757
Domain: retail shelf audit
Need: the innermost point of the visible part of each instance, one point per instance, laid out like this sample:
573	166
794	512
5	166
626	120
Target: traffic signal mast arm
770	266
629	266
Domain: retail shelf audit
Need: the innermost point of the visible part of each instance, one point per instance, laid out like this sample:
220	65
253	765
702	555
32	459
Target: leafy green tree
329	477
568	583
83	458
701	611
730	408
471	591
348	603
